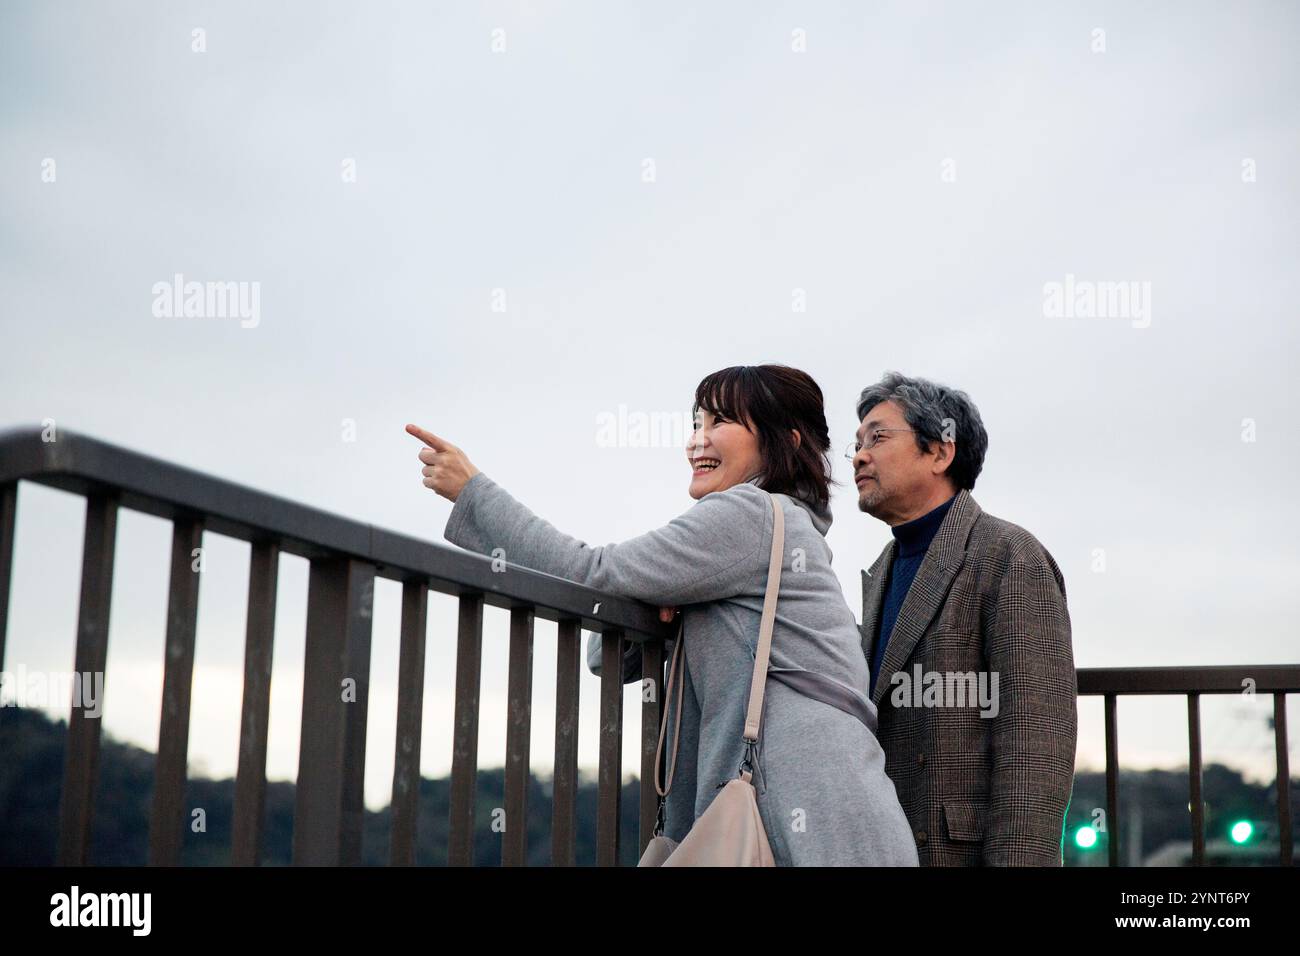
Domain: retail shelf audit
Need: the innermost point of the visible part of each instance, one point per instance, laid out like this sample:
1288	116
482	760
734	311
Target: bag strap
663	725
758	681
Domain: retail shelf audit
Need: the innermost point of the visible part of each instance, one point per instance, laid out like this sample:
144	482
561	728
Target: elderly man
965	629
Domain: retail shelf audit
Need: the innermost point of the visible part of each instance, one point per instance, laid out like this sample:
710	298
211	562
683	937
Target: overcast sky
503	220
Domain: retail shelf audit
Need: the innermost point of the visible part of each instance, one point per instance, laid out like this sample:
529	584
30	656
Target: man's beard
870	496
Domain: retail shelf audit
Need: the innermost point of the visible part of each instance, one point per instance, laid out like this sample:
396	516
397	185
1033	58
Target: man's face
893	474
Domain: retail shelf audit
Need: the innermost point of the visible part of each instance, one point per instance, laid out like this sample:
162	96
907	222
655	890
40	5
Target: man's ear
944	455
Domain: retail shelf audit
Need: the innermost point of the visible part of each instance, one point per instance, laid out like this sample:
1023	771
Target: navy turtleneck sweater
911	540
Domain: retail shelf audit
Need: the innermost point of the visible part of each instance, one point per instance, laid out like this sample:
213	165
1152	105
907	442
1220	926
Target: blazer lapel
933	578
873	596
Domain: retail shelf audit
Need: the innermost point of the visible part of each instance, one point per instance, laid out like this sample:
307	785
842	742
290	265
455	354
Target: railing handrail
81	464
1216	679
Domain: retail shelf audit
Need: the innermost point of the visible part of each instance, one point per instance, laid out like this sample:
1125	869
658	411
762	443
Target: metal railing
1112	682
345	558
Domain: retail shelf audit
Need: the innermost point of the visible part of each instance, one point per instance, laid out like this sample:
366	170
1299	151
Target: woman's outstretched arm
709	552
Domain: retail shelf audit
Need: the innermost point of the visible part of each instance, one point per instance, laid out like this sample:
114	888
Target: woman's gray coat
820	773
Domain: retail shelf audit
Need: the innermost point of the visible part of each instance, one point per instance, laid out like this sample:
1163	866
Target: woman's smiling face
721	453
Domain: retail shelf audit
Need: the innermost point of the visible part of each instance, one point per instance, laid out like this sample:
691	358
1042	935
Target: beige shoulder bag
730	832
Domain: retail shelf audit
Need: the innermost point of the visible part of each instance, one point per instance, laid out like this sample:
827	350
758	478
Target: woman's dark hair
777	399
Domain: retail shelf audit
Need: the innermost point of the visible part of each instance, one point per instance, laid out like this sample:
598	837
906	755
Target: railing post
1194	778
564	782
8	514
255	711
609	785
167	817
1283	779
1112	785
410	708
519	711
464	747
330	805
81	760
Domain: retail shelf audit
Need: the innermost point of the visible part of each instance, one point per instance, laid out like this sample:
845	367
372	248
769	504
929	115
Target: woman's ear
798	439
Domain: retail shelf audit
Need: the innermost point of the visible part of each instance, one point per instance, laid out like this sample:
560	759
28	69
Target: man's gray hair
935	413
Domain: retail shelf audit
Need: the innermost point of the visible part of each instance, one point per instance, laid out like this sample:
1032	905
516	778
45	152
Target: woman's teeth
706	464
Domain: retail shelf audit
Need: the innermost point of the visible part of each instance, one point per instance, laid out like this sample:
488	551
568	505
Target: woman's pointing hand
446	467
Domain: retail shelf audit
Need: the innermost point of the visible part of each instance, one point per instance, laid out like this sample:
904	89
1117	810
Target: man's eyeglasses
873	437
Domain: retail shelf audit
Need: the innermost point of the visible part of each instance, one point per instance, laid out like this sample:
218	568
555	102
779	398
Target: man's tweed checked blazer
976	789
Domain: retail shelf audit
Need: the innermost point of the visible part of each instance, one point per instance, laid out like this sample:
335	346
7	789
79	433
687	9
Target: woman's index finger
429	438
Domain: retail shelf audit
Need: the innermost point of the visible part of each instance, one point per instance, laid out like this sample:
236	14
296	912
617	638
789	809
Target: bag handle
758	681
663	725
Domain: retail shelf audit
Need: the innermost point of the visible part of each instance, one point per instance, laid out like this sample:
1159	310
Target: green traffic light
1241	831
1085	837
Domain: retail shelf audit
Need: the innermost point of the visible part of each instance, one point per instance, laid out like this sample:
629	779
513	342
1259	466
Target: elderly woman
819	772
